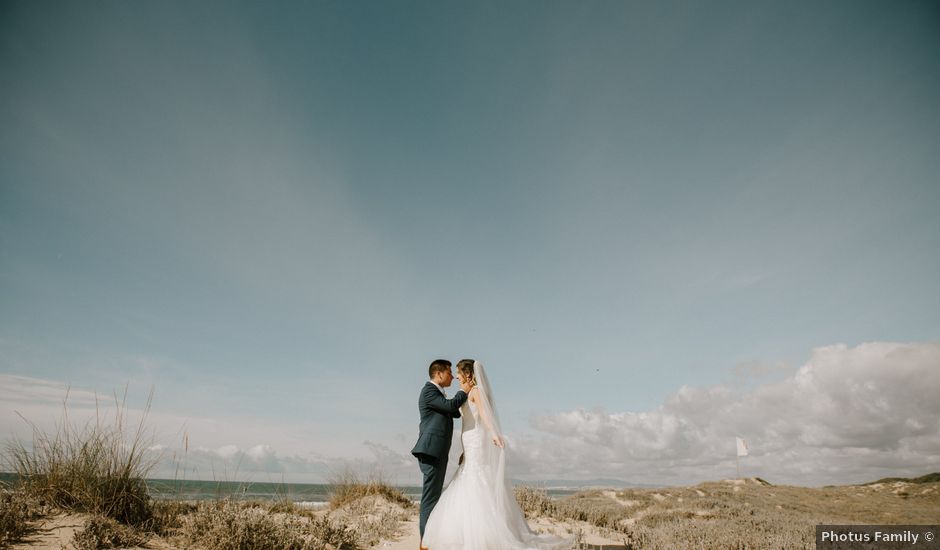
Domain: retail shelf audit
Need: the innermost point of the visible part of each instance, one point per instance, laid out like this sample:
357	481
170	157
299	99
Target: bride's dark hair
465	366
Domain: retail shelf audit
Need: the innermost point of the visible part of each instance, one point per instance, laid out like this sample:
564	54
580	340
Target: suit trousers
433	470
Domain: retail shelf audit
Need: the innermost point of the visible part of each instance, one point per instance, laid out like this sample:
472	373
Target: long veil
495	458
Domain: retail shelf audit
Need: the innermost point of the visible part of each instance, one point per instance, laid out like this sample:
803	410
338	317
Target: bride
478	510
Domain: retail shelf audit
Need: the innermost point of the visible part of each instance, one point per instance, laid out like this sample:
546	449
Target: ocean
312	495
303	494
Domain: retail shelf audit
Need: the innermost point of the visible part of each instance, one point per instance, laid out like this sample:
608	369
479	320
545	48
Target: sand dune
720	514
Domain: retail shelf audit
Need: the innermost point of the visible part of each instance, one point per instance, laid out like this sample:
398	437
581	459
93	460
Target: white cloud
849	414
263	462
228	452
26	390
260	452
225	448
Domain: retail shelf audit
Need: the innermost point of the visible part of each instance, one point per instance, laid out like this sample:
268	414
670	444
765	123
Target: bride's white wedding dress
477	510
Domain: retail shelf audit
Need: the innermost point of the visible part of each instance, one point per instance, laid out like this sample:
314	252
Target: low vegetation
535	502
929	478
348	486
104	532
227	525
95	468
372	507
736	513
17	511
98	470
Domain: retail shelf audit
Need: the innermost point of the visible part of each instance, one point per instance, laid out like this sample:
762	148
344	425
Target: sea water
311	495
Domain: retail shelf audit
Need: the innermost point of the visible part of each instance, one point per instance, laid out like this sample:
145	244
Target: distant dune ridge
929	478
583	483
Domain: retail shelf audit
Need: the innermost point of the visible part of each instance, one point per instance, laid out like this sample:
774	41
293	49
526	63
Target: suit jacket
437	421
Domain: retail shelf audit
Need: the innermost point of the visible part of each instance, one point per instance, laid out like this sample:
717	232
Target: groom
435	432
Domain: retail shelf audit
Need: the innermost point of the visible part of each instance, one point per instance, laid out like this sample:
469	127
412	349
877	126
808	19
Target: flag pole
741	451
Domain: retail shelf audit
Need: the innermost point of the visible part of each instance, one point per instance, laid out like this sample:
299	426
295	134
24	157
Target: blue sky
277	215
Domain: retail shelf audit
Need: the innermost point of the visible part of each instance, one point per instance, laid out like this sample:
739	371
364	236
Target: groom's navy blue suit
433	446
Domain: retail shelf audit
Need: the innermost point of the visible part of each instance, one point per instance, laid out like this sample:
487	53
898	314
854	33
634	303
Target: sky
660	225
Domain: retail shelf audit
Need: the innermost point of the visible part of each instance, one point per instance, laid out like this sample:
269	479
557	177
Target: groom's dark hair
438	365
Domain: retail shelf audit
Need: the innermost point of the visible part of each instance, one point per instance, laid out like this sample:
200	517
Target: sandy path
409	540
56	532
53	533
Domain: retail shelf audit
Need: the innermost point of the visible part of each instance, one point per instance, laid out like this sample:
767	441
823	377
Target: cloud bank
850	414
263	463
224	448
847	415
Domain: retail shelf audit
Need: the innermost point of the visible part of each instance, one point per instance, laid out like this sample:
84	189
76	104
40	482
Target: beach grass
372	506
98	467
97	470
229	525
347	486
740	513
17	512
104	532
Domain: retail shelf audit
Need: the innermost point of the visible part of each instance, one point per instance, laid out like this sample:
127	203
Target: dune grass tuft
103	532
372	507
347	486
17	510
166	516
227	525
95	468
535	502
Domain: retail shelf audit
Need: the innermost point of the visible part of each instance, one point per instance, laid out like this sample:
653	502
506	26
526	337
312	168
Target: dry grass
17	511
535	502
373	518
166	516
95	468
373	508
104	532
99	469
347	486
736	514
226	525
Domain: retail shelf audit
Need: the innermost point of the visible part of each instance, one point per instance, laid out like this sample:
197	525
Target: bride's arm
436	401
485	417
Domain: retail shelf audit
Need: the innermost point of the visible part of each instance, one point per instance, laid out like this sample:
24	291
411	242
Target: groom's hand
466	387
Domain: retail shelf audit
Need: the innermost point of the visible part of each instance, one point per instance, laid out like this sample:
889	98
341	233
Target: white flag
742	446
